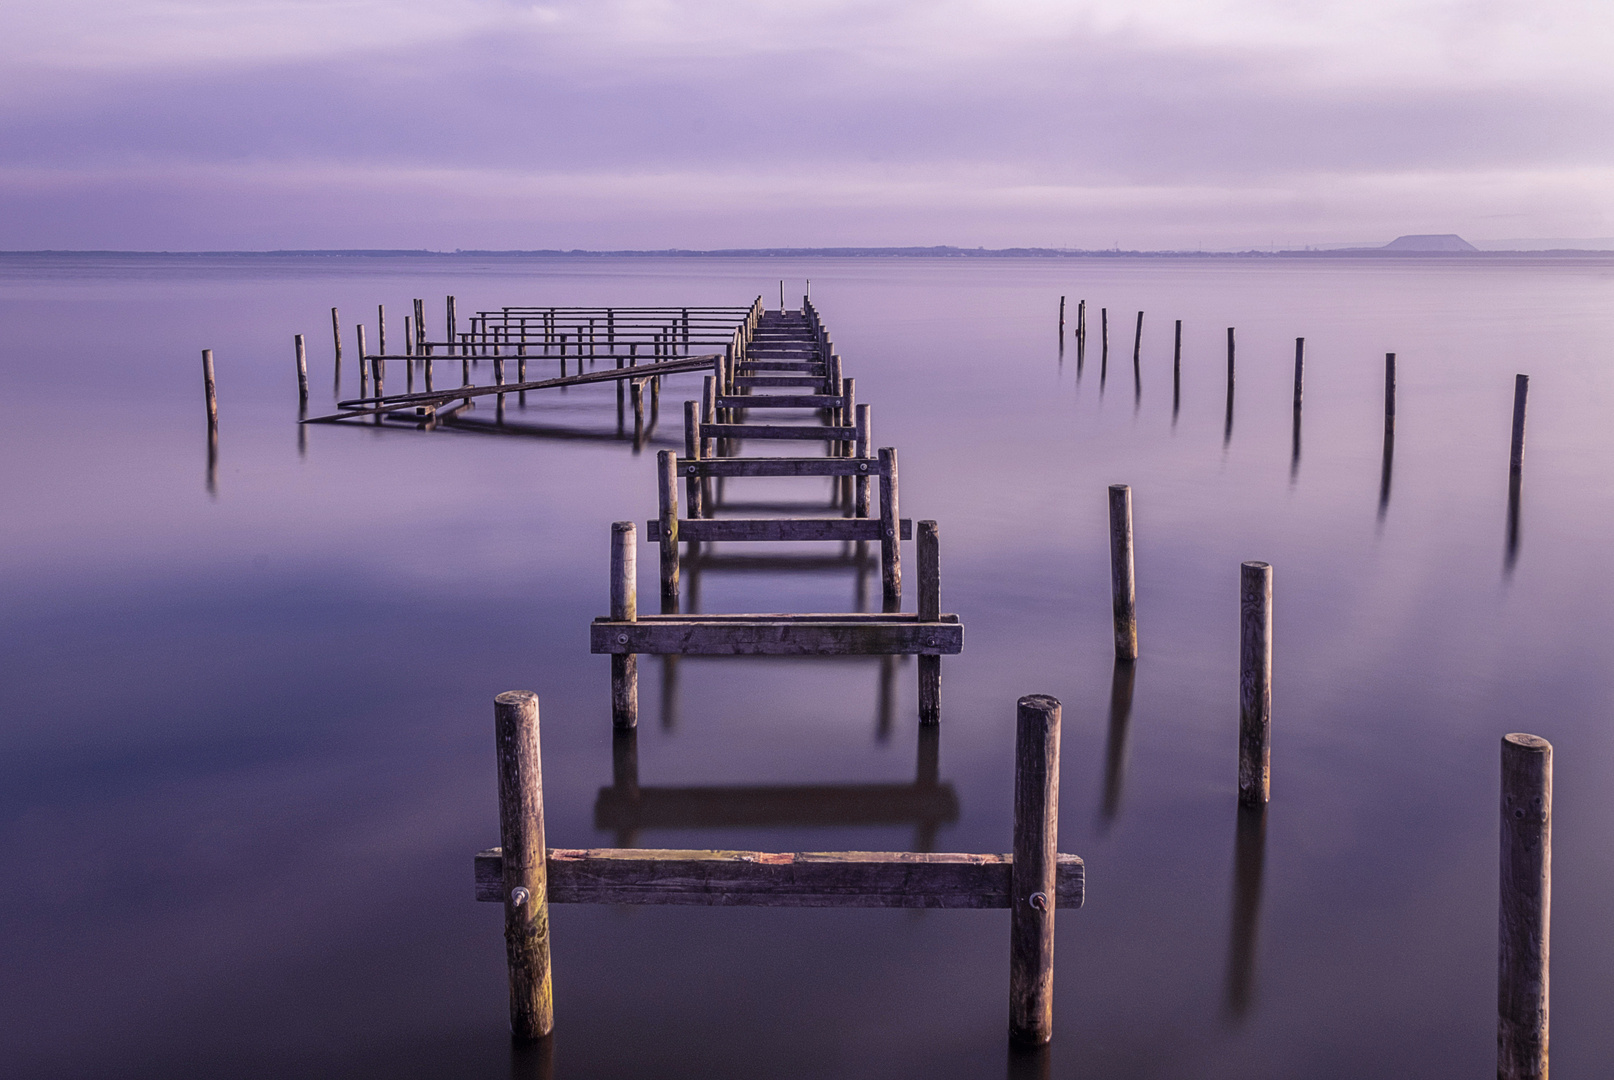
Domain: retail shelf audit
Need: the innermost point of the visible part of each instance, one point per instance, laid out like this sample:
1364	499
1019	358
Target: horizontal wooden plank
879	879
782	401
742	530
697	635
775	380
809	367
773	805
779	466
802	432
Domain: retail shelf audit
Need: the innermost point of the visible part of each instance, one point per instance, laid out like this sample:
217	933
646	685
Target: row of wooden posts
1525	890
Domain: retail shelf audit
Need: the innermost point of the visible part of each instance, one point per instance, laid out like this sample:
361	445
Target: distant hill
1429	242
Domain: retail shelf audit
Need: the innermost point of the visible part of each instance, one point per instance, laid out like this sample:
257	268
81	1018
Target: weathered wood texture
522	875
764	635
890	548
778	529
210	390
336	334
1300	369
1521	391
1123	588
1034	870
880	879
667	526
929	552
779	466
302	369
624	608
1525	909
1255	683
1389	388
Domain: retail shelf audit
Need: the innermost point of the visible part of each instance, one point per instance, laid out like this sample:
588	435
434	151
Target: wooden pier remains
792	351
526	875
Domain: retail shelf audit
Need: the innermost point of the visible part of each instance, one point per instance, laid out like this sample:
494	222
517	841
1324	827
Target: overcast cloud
479	123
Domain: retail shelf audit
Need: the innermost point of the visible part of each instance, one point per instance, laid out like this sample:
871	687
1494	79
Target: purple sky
189	124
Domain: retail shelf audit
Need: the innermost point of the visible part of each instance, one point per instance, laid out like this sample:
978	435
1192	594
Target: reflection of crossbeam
805	805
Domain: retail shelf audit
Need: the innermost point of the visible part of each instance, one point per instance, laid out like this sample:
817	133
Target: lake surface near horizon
246	747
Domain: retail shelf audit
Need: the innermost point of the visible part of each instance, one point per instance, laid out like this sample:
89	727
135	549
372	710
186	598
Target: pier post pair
1039	880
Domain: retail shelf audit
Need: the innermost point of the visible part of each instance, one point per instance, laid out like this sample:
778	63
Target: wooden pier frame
1032	881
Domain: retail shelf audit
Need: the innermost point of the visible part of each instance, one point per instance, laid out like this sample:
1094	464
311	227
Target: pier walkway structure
642	344
789	351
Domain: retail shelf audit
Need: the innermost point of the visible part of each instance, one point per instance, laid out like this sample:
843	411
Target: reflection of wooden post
1525	914
525	885
929	550
1123	588
1031	894
1255	683
624	607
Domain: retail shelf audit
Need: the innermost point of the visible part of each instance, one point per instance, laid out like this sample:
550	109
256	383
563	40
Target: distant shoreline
841	253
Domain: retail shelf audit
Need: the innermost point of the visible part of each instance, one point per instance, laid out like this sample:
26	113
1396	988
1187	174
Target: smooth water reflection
247	735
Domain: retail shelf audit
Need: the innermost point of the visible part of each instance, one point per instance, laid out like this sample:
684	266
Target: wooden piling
1123	589
693	486
1081	326
420	328
525	880
624	607
1521	391
1061	318
336	334
210	389
1300	370
1137	343
667	506
1032	891
1176	372
452	328
1524	919
890	542
1230	360
1104	336
1389	390
381	329
860	449
302	370
929	551
1255	683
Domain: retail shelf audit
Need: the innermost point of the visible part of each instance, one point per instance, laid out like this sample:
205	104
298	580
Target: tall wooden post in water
625	608
525	882
1255	683
1525	910
1031	893
1123	589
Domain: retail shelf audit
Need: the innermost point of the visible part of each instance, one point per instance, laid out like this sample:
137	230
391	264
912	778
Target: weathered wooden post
1255	683
860	449
1389	391
1521	391
525	885
929	551
381	329
667	499
1300	370
302	370
1081	326
890	532
364	363
1123	588
1061	319
1525	911
624	608
336	334
1032	892
1230	361
210	389
1176	373
1137	343
420	328
1104	338
693	493
452	334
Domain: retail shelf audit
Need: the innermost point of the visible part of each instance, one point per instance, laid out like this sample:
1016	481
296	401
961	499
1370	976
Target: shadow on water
532	1060
627	808
1387	469
1249	863
1122	681
1515	493
1029	1062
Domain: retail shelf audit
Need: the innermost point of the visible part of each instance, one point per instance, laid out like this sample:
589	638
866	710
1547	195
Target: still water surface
246	739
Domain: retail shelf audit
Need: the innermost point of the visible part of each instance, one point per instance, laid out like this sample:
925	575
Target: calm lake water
246	746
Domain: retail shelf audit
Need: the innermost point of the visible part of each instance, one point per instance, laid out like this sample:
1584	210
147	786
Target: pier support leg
1036	837
526	894
667	491
624	608
890	532
1255	683
1525	909
1123	587
929	550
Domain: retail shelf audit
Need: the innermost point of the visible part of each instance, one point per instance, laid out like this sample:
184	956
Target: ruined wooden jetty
526	875
797	343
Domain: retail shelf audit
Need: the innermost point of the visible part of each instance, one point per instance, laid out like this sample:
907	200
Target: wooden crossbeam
782	401
816	879
775	380
779	466
788	635
804	432
778	529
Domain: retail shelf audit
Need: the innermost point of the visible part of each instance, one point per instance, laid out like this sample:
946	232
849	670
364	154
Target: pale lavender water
247	738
